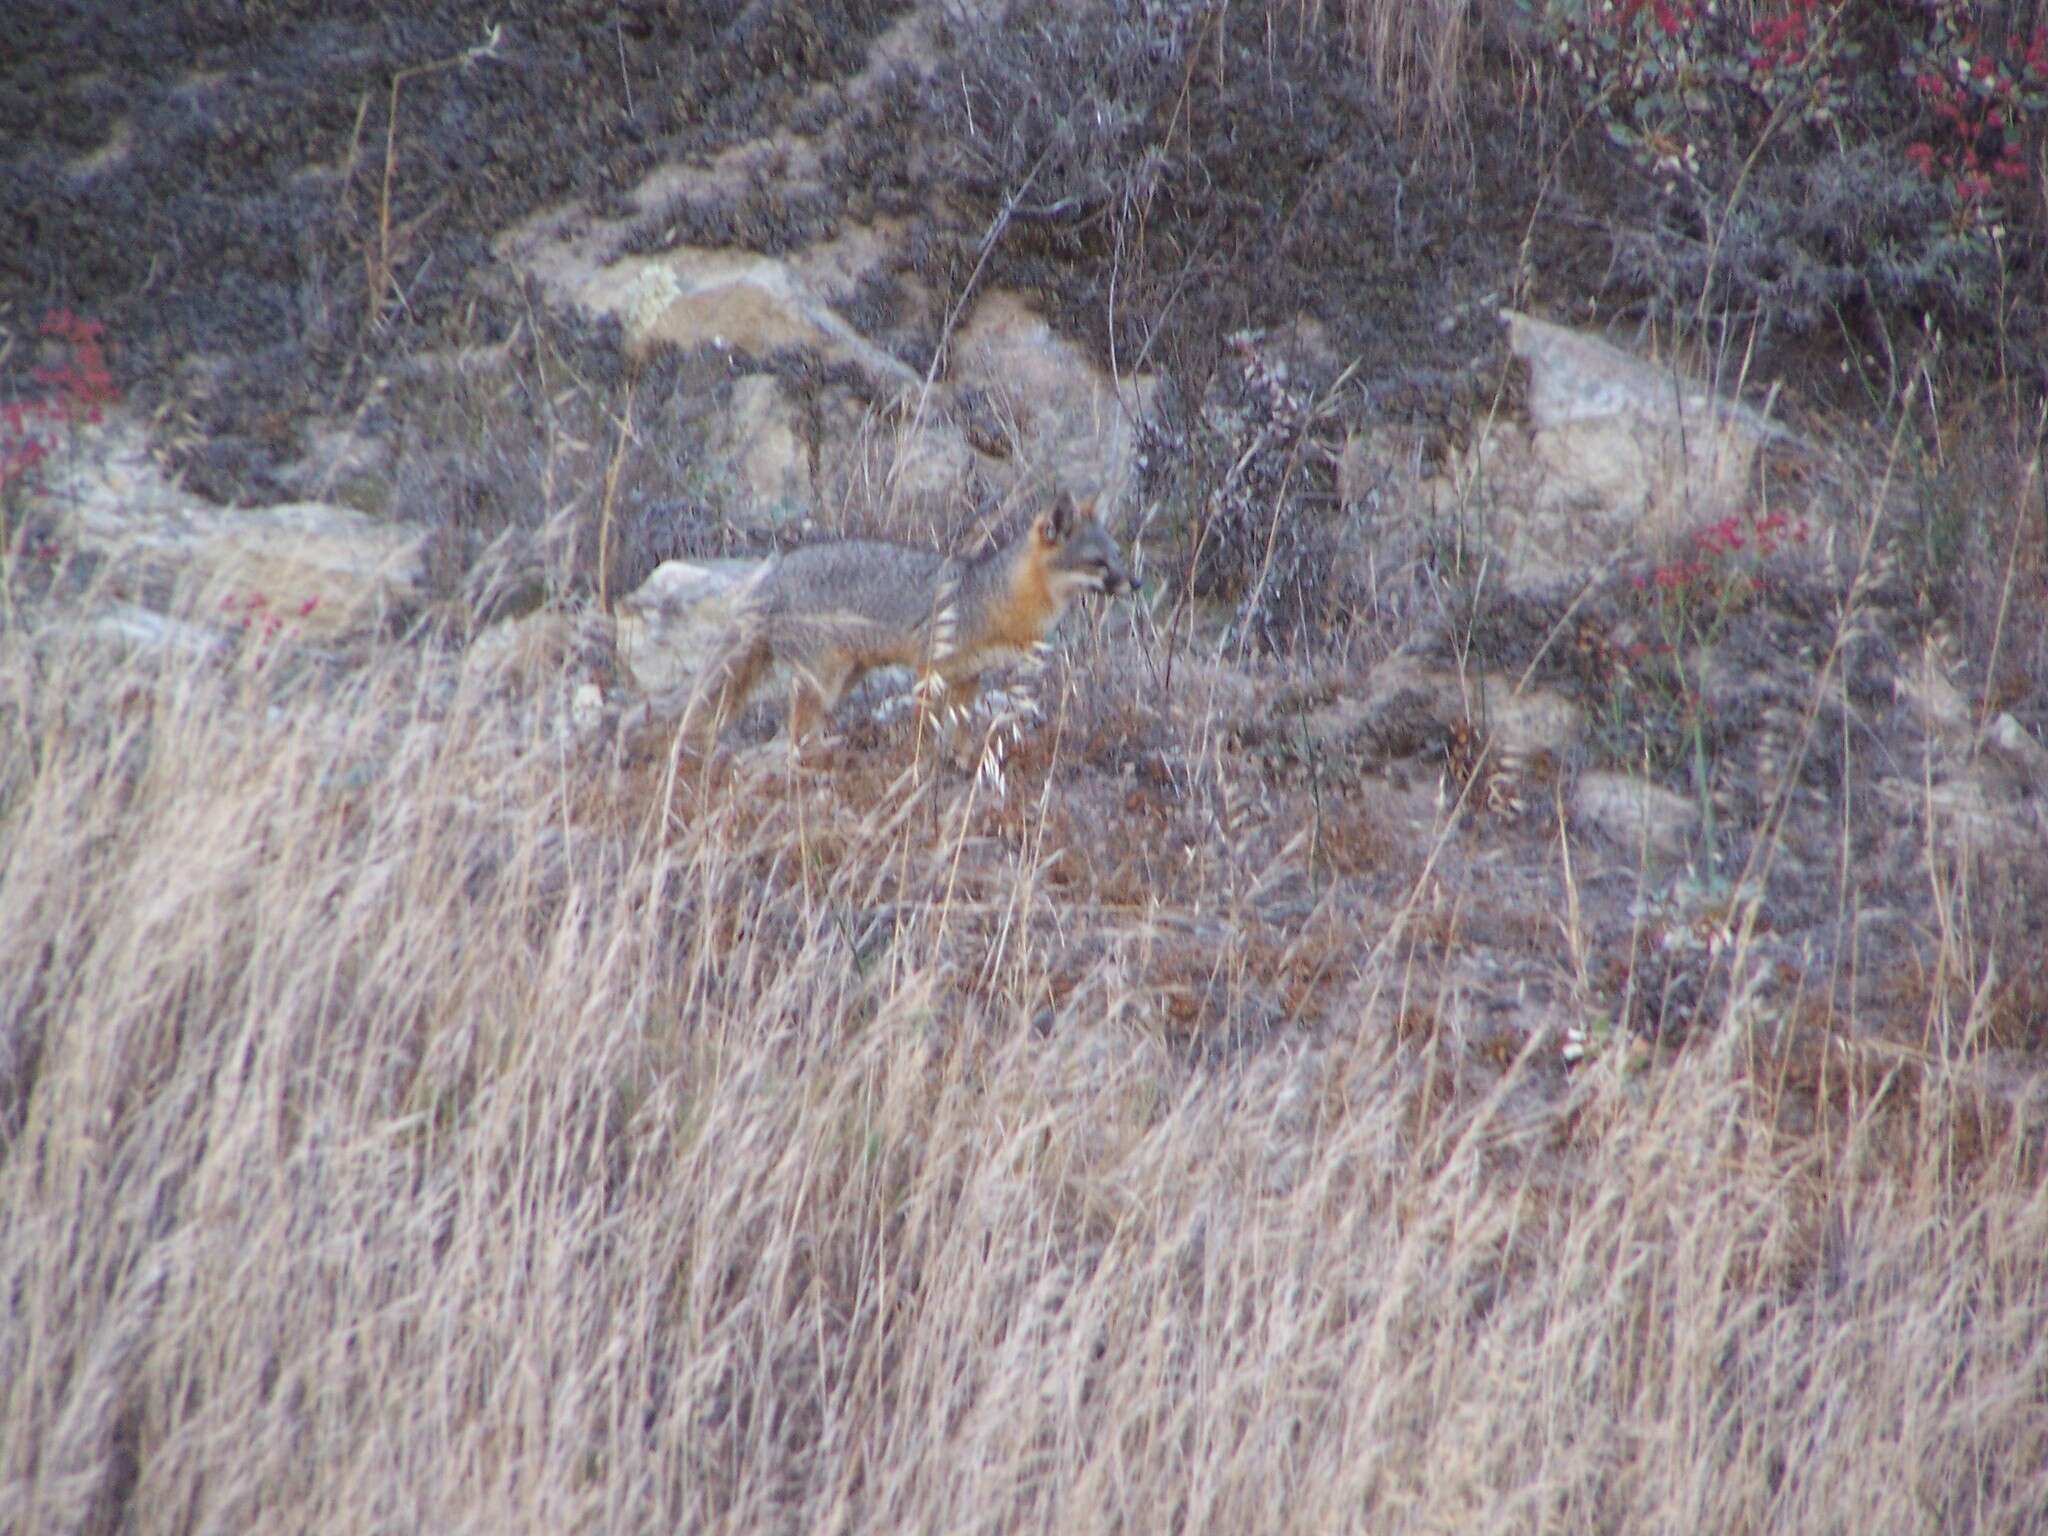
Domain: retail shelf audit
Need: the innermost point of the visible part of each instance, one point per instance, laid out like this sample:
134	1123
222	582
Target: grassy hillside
420	1113
410	1122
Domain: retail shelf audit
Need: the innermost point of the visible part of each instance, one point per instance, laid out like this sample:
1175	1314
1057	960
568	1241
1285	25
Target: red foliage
75	392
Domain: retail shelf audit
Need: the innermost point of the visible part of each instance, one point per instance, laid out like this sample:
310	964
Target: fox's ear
1056	525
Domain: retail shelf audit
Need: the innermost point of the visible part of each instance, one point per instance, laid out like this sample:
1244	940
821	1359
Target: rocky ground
1507	684
765	282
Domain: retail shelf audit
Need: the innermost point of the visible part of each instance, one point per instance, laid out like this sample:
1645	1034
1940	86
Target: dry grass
1413	50
412	1122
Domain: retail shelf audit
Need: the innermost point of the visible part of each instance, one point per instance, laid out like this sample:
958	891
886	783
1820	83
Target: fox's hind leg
817	689
723	693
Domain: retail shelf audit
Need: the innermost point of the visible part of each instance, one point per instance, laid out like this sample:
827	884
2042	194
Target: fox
832	611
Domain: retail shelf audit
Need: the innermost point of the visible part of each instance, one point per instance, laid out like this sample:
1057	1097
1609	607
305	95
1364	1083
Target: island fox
832	611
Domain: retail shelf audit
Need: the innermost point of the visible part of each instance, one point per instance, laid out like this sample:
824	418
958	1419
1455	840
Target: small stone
1636	815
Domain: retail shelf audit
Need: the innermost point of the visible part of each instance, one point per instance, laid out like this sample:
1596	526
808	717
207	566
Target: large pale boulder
729	299
1615	453
1063	410
677	618
308	568
1626	439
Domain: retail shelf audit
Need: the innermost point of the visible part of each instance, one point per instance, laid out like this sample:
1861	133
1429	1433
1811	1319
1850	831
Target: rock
521	652
321	569
1979	810
1403	709
1014	400
559	666
1995	805
304	568
586	710
1638	438
761	436
1616	451
1638	817
132	627
1375	464
726	299
341	464
1409	706
1065	410
1939	706
1530	724
676	618
2017	754
914	447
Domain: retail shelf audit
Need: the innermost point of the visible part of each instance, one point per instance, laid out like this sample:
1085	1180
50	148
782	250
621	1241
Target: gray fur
833	611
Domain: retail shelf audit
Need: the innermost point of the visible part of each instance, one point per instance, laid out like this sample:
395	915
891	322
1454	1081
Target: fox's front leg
952	703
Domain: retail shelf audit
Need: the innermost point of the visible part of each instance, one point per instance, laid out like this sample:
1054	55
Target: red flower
1670	578
1722	538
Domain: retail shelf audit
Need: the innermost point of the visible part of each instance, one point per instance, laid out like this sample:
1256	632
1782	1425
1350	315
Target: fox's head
1079	557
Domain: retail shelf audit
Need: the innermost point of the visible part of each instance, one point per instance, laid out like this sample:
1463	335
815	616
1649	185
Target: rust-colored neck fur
1029	607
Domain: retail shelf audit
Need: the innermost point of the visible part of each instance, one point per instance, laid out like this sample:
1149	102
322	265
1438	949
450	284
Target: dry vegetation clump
408	1116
